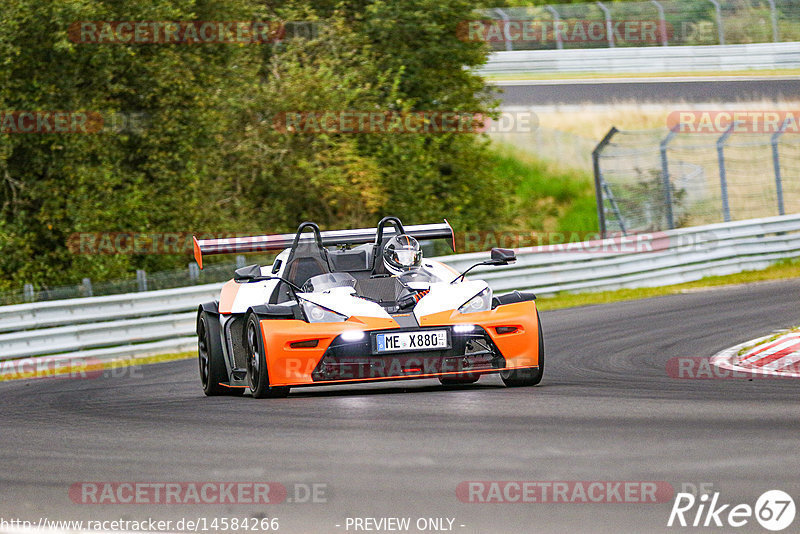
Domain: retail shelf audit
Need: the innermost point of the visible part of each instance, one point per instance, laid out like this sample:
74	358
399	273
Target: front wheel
257	374
527	376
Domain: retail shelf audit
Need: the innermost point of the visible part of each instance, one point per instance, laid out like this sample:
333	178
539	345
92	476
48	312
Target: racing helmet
402	254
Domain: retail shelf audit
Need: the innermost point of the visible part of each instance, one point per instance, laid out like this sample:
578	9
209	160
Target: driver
402	254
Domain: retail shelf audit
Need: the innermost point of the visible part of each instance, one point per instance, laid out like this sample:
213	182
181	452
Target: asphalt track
652	91
606	410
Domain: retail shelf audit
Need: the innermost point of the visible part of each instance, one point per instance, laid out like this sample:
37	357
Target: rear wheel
528	376
257	374
212	363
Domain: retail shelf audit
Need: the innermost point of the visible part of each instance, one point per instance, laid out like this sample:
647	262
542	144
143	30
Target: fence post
27	292
776	164
774	15
609	25
87	286
506	35
141	279
723	182
556	22
598	179
662	23
720	28
241	261
665	177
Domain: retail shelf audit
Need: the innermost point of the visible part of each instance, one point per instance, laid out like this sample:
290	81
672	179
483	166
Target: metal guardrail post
665	177
141	280
662	23
556	22
194	272
723	181
720	27
774	16
776	164
27	292
609	25
86	283
598	178
506	35
241	261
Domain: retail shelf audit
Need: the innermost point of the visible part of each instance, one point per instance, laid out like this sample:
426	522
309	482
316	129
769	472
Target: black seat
306	259
301	269
356	259
378	267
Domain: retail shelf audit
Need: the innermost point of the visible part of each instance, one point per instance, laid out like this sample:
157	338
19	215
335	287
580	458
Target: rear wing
359	236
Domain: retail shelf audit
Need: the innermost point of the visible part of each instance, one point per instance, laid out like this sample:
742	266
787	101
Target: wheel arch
211	308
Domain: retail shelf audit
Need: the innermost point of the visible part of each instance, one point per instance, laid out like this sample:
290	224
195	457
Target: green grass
550	200
782	270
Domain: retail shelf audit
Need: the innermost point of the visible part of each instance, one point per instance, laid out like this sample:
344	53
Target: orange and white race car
360	305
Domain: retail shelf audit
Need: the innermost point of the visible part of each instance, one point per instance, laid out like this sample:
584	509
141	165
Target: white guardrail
154	322
651	59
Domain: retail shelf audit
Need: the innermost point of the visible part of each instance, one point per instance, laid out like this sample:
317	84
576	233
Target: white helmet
402	254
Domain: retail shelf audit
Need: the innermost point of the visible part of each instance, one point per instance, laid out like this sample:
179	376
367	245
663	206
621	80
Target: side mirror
247	274
503	256
500	256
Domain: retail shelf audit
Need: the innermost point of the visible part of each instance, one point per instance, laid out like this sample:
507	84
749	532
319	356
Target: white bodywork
343	301
443	296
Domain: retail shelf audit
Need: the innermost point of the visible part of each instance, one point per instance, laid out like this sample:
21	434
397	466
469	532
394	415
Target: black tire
449	381
211	359
257	373
528	376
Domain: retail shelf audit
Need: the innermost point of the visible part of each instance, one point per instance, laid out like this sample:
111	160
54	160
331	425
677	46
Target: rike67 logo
774	510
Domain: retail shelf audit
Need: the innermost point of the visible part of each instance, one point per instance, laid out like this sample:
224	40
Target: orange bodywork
290	366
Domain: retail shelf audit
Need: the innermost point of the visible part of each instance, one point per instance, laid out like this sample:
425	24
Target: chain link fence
649	23
563	148
656	180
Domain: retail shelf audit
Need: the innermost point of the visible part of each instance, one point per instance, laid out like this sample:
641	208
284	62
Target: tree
205	155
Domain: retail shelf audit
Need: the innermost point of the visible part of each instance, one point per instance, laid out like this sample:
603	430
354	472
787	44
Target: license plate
407	341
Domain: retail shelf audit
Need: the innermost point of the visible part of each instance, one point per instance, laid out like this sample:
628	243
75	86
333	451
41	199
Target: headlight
479	303
318	314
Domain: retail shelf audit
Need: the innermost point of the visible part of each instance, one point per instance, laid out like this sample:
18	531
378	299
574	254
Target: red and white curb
779	357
